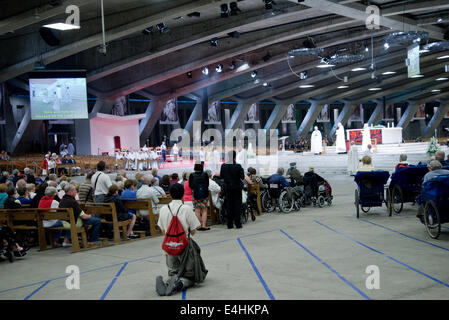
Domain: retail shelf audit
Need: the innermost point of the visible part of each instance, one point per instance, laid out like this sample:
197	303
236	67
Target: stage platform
328	163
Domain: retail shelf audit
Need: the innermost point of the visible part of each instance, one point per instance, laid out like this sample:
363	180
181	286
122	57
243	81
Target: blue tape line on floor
270	295
35	291
405	235
113	281
389	257
327	266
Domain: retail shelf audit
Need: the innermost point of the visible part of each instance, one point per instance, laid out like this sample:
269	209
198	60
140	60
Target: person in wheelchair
295	175
278	178
311	182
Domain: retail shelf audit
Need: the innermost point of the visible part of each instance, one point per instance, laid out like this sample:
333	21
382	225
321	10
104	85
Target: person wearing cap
295	174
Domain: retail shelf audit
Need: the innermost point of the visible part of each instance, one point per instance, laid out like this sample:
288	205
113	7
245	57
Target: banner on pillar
413	60
290	115
170	112
121	106
214	113
398	113
253	114
421	113
357	115
323	116
389	112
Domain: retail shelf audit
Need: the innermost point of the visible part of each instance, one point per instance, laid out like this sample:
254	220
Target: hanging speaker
48	36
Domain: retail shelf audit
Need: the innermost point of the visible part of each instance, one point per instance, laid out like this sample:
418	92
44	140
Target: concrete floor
312	254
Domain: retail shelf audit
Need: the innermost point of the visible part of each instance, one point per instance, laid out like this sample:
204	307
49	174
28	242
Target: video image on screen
58	98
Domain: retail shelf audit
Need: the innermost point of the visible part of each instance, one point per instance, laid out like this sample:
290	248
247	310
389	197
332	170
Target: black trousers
234	207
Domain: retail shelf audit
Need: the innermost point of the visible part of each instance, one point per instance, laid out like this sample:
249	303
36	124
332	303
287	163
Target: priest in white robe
366	137
353	159
215	161
341	142
316	142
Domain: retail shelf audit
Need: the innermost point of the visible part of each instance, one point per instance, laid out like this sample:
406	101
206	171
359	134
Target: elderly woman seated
366	164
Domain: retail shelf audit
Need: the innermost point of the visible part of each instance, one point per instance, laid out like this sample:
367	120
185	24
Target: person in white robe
139	159
340	143
353	159
175	152
366	137
132	159
202	156
215	161
316	141
251	153
145	158
153	157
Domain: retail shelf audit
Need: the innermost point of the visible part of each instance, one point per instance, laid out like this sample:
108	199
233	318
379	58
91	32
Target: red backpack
175	239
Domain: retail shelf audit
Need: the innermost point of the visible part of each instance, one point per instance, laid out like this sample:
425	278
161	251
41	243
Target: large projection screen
58	95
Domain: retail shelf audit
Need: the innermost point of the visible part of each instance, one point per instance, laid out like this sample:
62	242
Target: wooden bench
92	208
64	214
145	205
211	210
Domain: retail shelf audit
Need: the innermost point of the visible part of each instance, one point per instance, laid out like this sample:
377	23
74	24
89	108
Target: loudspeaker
48	36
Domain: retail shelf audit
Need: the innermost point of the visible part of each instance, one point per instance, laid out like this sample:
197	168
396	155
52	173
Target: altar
378	135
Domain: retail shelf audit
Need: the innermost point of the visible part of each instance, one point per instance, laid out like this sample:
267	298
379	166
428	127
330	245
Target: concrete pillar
276	115
196	115
377	113
21	129
436	119
343	117
152	115
309	119
408	114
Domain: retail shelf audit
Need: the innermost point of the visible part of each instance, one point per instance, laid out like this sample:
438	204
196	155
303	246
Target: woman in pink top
188	197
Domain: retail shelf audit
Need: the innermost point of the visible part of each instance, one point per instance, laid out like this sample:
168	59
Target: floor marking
113	281
270	295
35	291
383	254
327	266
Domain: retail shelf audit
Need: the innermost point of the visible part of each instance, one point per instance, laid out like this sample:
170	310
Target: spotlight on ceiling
388	73
232	65
254	74
234	34
224	10
305	86
439	20
214	42
418	76
366	49
375	89
205	71
265	84
219	68
257	81
234	8
386	45
162	28
194	14
266	57
189	74
358	69
148	31
269	4
303	75
343	87
436	90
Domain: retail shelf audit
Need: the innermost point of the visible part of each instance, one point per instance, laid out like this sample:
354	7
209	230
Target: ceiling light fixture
205	71
243	67
254	74
304	86
418	76
214	42
358	69
388	73
343	87
375	89
219	68
442	79
443	57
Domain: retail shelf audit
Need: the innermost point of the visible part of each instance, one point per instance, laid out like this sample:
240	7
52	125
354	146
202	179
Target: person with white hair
146	192
52	163
435	170
316	144
49	201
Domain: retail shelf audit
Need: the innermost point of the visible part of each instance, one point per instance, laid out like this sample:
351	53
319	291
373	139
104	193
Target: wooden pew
211	210
255	189
146	205
108	209
65	214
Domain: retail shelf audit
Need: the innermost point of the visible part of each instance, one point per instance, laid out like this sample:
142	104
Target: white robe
366	138
242	159
215	162
340	143
316	142
353	160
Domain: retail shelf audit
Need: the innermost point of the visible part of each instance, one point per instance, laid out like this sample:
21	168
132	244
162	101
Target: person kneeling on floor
186	268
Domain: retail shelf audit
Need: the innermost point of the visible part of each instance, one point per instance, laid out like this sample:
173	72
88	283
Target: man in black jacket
233	174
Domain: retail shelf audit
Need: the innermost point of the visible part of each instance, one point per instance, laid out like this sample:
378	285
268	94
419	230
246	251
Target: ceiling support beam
436	119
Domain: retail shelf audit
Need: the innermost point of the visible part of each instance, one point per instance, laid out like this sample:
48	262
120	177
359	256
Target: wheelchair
405	186
370	192
434	199
274	195
317	190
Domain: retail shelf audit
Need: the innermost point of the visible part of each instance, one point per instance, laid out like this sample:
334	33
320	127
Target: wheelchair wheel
432	220
267	203
396	200
357	202
321	201
365	209
285	204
